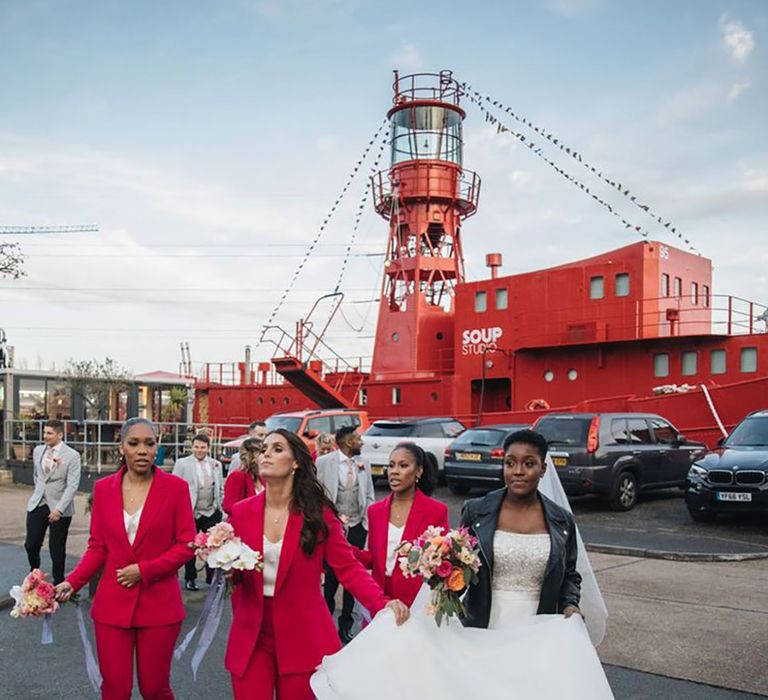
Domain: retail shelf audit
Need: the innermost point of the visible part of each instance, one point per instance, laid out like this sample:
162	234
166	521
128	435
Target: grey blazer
58	489
328	474
186	468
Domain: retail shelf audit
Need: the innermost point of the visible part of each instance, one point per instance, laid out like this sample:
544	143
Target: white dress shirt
394	538
131	523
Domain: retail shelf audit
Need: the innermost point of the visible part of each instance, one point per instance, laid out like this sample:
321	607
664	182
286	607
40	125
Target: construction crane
29	230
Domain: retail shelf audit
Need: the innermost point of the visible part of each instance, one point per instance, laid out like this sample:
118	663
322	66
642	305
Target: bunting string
361	208
485	103
322	228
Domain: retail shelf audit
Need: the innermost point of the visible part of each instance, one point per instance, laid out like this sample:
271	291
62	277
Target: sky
210	140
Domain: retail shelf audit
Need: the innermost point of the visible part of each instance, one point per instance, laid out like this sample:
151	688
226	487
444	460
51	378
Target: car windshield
391	429
566	431
291	423
488	437
751	432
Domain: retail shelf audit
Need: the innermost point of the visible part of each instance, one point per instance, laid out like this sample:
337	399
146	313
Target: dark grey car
476	458
617	455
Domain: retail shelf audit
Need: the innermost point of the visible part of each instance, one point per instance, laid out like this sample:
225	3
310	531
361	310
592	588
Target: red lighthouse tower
426	194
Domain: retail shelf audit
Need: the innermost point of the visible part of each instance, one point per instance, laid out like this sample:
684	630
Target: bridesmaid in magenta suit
403	515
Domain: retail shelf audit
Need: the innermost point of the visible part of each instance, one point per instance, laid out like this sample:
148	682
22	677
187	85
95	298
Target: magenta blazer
425	511
303	627
160	547
238	486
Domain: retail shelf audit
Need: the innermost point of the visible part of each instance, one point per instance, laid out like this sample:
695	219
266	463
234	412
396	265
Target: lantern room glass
426	132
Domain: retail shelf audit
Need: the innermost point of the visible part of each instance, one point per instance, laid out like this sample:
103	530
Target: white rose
224	557
248	559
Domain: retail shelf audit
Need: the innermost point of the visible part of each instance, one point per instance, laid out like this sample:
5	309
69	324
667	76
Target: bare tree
95	380
11	260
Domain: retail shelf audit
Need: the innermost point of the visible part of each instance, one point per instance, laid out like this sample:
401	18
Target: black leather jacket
561	586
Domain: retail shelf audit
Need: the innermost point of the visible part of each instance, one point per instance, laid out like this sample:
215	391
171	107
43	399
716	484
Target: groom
347	478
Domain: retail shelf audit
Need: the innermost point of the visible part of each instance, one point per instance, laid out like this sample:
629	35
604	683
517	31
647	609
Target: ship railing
651	317
98	441
440	86
236	373
466	195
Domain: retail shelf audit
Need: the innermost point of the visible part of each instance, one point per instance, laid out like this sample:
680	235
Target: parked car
733	478
476	458
431	434
617	455
309	424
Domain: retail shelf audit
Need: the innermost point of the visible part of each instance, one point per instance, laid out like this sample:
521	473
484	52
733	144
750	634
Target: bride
524	633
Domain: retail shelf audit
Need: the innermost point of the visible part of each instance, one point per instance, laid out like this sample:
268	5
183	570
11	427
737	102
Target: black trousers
201	524
356	536
37	524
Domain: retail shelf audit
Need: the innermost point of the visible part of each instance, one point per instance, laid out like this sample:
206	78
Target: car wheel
458	489
624	493
702	516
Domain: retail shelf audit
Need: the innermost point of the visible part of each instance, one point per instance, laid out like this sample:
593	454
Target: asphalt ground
675	629
57	672
660	522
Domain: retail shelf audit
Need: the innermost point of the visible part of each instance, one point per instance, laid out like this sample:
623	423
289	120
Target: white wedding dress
521	654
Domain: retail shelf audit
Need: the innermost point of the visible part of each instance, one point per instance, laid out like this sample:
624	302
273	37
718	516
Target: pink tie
48	461
350	474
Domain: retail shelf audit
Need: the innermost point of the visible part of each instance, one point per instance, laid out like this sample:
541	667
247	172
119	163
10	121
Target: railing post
98	447
730	313
751	316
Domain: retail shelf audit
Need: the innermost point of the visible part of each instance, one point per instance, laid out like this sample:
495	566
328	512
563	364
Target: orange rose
455	580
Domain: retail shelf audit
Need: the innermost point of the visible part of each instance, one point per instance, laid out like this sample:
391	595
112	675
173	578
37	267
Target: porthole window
434	396
689	363
596	287
286	401
661	365
748	360
272	401
549	375
395	337
573	375
439	336
622	284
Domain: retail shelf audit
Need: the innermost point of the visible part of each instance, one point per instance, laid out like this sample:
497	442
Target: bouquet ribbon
91	667
209	619
47	636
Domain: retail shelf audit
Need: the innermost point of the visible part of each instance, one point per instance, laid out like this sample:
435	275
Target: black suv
617	455
733	478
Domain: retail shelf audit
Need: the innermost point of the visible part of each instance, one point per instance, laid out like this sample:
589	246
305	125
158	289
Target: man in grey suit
346	476
206	489
56	475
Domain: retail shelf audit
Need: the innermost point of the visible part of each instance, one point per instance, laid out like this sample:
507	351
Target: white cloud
520	177
737	88
737	39
689	103
407	57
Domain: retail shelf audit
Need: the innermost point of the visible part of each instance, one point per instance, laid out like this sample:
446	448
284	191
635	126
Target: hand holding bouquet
220	548
448	563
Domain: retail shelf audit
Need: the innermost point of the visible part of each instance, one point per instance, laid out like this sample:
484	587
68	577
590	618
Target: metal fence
98	441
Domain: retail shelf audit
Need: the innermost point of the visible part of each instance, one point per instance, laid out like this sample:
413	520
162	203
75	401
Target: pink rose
219	534
444	570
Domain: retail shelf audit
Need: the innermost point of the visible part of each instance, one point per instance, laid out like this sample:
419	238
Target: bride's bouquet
448	563
35	597
220	548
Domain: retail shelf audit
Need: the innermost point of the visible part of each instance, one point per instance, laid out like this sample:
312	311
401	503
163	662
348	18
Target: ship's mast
425	195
